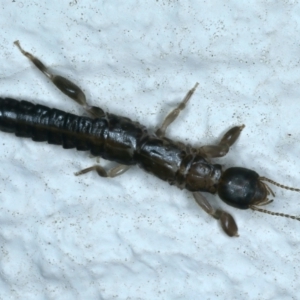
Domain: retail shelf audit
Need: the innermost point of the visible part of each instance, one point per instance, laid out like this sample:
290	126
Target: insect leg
227	221
226	142
63	84
116	171
160	132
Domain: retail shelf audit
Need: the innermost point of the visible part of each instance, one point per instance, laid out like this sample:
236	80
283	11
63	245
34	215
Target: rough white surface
136	237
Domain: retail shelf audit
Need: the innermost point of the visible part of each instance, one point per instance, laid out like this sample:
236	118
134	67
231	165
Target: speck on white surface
136	237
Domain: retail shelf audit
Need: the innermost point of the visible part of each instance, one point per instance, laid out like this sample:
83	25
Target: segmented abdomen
111	137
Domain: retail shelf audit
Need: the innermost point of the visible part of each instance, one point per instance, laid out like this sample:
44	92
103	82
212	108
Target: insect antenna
274	213
279	185
271	212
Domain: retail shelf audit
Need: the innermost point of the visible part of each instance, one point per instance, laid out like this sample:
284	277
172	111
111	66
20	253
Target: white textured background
135	237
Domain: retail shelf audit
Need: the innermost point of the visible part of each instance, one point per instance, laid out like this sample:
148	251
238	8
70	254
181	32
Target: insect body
129	143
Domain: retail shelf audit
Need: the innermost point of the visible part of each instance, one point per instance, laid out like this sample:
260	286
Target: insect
129	143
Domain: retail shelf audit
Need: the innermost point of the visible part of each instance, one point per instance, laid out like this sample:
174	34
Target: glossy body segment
241	187
111	137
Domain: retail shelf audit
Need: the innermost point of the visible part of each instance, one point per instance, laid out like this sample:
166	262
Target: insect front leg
160	132
226	142
227	221
63	84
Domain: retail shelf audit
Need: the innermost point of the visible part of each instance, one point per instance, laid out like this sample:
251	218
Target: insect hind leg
63	84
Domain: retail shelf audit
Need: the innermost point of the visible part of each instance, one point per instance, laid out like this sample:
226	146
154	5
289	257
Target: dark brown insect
129	143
